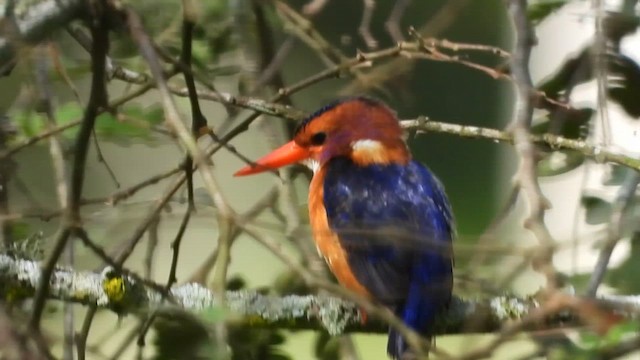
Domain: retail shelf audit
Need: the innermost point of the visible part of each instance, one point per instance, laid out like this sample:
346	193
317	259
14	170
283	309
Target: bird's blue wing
396	226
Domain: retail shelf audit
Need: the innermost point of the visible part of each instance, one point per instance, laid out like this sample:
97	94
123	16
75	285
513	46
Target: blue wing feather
396	226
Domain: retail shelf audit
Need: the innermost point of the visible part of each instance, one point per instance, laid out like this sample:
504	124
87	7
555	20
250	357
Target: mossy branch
123	294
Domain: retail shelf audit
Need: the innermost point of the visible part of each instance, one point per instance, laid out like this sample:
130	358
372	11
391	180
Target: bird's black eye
318	138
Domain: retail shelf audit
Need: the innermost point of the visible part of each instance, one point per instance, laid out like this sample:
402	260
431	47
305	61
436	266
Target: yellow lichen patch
17	293
81	296
255	320
114	288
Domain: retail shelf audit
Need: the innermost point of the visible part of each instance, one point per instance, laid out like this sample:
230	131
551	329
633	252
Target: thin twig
621	205
152	245
171	280
488	234
277	61
175	247
266	43
132	242
599	53
392	70
550	141
365	24
225	212
57	159
313	7
198	121
114	70
83	335
172	115
184	68
97	99
54	54
393	22
200	275
35	139
305	31
101	159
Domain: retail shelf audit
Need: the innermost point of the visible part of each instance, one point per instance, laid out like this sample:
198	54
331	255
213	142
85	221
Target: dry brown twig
313	7
393	21
365	24
526	176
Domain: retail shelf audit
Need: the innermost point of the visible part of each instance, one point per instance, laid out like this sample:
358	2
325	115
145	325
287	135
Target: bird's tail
397	346
419	314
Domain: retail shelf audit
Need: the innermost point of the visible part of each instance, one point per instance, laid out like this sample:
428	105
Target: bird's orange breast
327	240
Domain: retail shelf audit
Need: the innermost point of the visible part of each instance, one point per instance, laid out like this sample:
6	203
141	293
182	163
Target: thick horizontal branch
19	279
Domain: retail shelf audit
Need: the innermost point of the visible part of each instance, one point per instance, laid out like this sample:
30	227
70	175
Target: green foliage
132	122
539	10
613	337
591	346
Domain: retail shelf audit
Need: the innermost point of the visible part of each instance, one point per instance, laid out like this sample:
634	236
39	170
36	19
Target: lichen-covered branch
109	290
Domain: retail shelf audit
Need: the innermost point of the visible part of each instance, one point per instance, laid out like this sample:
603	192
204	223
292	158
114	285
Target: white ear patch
367	145
367	151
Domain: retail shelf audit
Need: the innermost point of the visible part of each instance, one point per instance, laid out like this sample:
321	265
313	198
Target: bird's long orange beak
287	154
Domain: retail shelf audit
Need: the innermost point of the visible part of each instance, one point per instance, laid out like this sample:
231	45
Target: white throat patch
312	164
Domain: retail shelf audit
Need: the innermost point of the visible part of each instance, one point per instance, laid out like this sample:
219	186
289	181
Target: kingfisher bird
381	220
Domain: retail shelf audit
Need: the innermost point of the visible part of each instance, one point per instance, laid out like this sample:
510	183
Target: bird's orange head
360	128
